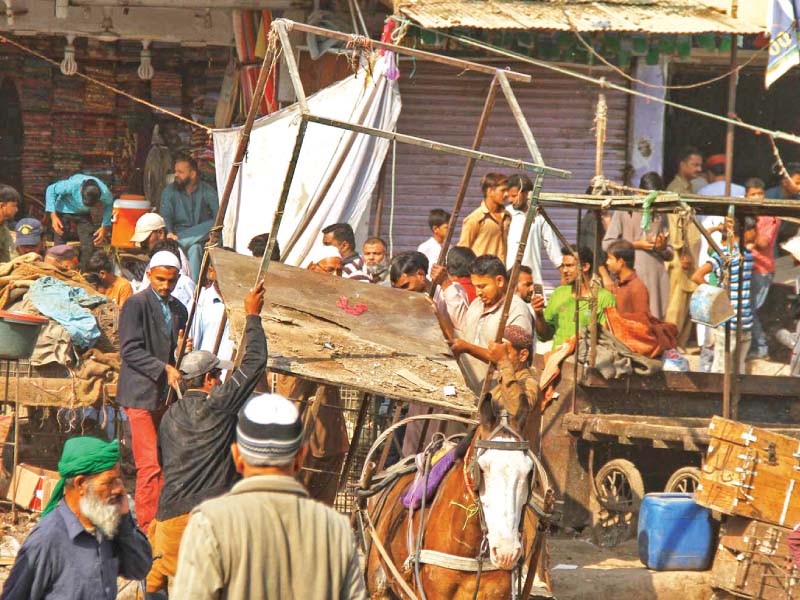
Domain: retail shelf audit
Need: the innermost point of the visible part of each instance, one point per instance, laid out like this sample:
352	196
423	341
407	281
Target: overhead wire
603	82
104	85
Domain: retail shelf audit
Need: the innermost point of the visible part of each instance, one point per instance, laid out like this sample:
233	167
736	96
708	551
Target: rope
104	85
467	41
471	511
624	75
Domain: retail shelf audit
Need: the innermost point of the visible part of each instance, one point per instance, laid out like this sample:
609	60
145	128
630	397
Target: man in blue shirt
87	536
189	207
70	202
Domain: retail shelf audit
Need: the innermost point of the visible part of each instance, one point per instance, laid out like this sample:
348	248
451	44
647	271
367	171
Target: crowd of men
218	453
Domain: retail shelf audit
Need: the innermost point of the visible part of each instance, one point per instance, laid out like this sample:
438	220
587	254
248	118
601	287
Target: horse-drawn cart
619	439
607	442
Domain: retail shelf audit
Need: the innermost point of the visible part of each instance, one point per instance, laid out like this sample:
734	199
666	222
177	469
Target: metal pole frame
488	105
502	77
214	234
533	207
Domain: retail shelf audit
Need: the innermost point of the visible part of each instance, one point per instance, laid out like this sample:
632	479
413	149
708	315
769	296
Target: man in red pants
149	328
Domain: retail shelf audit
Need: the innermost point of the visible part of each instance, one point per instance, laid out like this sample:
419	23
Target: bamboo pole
291	64
598	233
241	150
465	178
731	369
441	147
325	186
512	280
458	63
600	127
578	285
519	117
364	402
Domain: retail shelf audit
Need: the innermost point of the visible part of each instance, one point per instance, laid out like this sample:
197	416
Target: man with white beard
86	537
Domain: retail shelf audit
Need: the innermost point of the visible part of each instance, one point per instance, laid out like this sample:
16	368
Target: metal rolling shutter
443	105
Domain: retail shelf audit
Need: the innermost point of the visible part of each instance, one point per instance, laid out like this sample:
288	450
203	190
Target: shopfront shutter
442	104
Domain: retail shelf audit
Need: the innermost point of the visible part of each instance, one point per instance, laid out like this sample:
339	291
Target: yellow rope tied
471	511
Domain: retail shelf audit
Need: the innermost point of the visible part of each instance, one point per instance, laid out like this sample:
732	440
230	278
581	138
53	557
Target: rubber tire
631	473
679	474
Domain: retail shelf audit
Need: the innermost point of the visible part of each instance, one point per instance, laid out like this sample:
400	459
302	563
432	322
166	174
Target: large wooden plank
639	427
394	349
695	382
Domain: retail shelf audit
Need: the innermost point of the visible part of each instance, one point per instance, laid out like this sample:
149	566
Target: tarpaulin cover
68	305
367	98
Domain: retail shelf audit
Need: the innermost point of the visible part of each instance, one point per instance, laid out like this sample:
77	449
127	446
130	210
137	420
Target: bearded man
376	261
86	537
189	207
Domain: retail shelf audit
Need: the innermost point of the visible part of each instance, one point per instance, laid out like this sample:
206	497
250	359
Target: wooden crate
751	472
753	561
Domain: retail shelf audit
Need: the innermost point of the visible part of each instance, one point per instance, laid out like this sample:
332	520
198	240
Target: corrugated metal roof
646	16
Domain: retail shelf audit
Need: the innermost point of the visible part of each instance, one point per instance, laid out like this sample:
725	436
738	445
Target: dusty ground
617	574
601	573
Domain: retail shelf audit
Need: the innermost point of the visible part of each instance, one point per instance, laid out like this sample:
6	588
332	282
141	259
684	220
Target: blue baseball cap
29	232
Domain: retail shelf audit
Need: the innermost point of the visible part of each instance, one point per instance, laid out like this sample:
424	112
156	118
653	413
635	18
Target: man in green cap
87	536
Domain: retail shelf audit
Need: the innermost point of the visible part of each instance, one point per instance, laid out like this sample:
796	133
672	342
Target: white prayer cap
164	259
320	253
792	246
269	430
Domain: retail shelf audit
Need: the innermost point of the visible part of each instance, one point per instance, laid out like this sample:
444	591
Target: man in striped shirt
716	264
341	236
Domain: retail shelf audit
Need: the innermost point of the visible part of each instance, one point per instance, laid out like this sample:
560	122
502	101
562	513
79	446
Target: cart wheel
685	481
619	494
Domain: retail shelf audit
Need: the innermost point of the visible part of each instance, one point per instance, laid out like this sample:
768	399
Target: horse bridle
518	444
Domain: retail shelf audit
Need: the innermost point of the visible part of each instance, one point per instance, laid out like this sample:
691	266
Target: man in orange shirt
485	229
621	279
100	272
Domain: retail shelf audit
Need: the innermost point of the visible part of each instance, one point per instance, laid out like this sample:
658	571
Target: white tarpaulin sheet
365	98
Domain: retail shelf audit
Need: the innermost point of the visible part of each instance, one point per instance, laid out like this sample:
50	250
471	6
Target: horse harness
473	477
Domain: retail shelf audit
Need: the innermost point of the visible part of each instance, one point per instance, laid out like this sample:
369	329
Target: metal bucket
18	334
710	306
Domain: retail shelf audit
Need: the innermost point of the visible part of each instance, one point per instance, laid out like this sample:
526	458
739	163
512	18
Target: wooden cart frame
607	442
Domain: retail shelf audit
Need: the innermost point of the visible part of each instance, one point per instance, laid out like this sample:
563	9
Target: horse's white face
503	494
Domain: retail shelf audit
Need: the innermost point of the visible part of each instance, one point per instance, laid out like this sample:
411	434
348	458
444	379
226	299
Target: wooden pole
731	369
233	172
737	350
600	127
441	147
578	285
291	64
519	117
223	322
364	400
598	234
465	178
376	224
276	219
458	63
512	280
325	186
600	123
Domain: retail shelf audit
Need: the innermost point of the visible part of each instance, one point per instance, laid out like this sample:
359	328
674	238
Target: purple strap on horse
412	498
